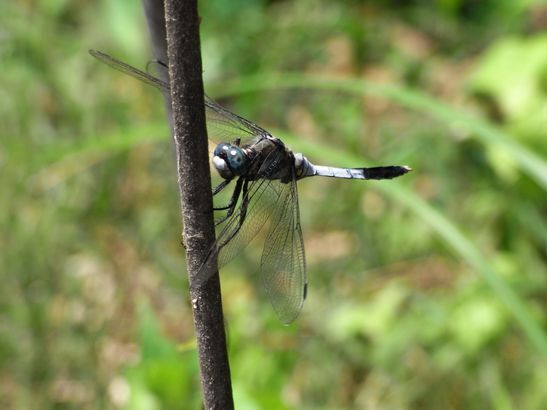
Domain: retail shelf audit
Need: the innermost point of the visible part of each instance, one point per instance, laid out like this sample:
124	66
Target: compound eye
221	149
236	159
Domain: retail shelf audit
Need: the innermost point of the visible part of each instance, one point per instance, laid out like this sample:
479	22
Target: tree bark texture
189	131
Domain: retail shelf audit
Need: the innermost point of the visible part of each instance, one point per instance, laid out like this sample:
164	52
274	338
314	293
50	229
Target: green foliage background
427	292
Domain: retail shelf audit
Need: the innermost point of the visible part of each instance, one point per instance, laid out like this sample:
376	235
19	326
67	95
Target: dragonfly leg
221	186
242	214
231	204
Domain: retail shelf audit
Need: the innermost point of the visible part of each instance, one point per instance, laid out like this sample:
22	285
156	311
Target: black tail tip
399	170
389	172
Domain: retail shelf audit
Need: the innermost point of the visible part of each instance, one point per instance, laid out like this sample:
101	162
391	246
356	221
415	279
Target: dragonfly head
230	160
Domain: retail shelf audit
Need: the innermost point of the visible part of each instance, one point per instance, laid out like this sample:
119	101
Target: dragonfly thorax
230	160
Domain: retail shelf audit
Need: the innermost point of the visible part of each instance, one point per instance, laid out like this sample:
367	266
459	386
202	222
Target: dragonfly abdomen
306	169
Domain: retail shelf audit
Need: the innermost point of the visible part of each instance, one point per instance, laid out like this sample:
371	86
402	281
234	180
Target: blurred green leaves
163	377
419	288
511	81
522	64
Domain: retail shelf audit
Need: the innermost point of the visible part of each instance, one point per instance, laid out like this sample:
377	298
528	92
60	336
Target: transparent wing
234	235
253	210
130	70
283	265
226	126
222	124
221	128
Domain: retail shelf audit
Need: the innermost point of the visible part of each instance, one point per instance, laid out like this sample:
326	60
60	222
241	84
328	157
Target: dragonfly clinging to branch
263	172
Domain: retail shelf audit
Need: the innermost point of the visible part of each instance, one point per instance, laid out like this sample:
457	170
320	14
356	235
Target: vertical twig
188	122
154	11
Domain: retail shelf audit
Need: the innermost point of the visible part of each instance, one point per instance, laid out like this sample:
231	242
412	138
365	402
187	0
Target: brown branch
188	120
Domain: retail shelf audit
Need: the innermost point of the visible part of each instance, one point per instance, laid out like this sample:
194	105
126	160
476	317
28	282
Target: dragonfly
262	173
